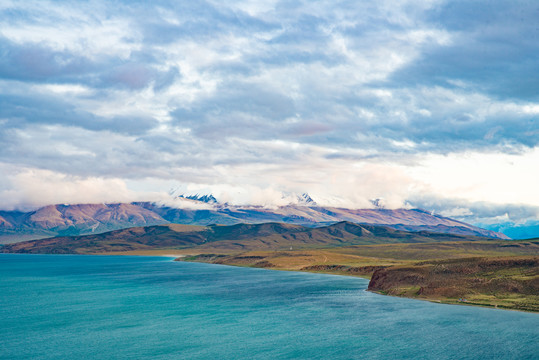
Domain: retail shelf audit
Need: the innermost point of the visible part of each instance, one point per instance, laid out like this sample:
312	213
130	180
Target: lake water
101	307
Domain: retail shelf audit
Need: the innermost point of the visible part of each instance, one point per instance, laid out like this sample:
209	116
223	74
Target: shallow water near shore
127	307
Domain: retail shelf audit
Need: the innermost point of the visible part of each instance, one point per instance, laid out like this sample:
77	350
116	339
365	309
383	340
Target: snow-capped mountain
306	200
79	219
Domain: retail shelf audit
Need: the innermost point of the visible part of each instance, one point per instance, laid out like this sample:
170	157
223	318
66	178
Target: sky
430	104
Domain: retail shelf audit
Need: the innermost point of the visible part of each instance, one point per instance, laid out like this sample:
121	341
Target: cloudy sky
420	103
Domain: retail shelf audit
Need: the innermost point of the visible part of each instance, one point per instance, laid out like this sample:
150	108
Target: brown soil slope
502	282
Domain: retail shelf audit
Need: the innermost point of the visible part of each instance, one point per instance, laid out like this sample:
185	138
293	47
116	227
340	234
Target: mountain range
81	219
239	237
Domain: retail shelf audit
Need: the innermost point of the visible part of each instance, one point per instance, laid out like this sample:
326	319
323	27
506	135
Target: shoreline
435	301
463	303
181	255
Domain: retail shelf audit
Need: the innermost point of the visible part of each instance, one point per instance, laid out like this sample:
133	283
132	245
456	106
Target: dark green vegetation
441	267
233	238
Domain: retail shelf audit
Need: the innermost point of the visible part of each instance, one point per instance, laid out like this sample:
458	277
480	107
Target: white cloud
30	188
477	176
164	199
346	101
251	7
456	212
85	29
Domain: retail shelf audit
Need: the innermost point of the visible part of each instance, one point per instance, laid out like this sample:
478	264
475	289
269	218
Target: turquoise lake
120	307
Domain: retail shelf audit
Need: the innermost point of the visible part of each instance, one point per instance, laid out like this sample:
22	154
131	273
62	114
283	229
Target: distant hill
239	237
66	220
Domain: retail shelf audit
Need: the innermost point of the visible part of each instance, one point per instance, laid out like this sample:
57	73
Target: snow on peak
206	198
305	199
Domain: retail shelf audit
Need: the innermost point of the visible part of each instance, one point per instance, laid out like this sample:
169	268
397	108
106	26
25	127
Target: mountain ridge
80	219
238	237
